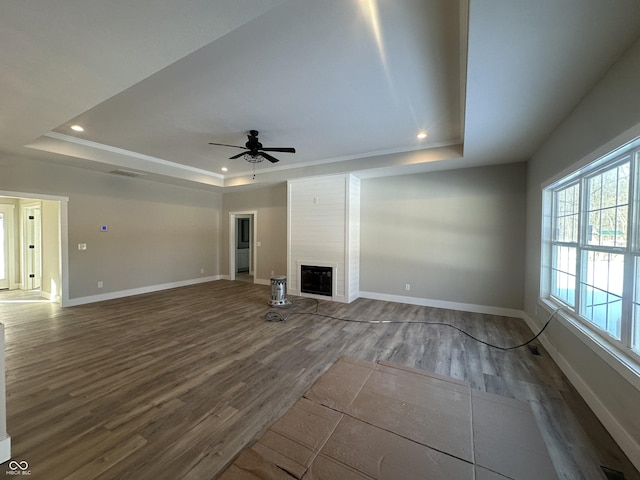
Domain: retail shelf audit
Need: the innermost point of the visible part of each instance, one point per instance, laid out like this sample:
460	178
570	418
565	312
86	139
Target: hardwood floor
174	384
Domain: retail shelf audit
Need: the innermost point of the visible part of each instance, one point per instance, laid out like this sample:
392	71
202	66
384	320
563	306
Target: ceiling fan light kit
252	158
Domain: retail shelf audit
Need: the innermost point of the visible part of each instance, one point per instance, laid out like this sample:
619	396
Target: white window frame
621	349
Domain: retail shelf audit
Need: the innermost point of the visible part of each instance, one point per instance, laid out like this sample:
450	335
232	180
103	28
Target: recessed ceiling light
422	135
224	169
77	128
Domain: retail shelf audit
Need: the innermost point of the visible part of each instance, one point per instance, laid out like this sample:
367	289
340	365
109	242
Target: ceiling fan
255	152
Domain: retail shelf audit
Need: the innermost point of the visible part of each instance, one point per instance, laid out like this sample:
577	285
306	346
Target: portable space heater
278	291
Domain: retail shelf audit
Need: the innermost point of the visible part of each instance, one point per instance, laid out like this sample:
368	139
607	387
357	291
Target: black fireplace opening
316	280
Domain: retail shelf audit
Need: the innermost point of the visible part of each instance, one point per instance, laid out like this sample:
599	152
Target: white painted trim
72	302
32	196
64	251
10	246
5	449
129	153
232	246
427	302
624	440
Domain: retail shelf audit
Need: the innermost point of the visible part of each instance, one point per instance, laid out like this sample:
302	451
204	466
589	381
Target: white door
32	247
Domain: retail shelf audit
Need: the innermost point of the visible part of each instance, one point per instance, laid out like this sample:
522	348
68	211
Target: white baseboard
624	440
427	302
5	449
72	302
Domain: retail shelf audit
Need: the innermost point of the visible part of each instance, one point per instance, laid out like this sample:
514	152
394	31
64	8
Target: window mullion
633	215
583	226
627	299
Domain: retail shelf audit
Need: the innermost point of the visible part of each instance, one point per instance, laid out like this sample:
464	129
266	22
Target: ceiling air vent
127	173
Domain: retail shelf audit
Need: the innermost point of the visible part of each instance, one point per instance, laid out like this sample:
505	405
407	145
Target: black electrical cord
275	316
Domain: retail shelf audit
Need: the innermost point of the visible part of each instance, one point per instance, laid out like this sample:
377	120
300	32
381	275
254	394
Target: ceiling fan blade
239	155
279	149
226	145
269	157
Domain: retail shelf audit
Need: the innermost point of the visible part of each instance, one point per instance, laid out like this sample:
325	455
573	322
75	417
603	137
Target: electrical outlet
82	246
407	287
202	270
100	284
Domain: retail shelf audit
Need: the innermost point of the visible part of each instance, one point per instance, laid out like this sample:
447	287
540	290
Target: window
594	247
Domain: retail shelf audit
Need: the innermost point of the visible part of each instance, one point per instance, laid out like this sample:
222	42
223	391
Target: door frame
253	214
9	211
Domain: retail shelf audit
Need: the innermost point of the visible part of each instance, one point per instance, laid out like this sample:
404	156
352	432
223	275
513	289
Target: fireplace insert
316	280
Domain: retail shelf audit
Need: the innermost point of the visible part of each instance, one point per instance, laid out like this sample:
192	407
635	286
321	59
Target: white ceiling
348	83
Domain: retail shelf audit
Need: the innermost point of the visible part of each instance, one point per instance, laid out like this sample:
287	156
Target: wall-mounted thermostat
103	228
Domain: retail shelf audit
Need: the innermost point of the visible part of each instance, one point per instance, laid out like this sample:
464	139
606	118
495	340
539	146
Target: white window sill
623	363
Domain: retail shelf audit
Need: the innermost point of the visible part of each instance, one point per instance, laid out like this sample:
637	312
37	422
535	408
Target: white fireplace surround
323	229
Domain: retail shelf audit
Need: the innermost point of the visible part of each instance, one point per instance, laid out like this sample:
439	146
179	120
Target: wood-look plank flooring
173	384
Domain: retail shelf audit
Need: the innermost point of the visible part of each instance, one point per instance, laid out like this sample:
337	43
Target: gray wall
455	236
270	203
611	108
157	234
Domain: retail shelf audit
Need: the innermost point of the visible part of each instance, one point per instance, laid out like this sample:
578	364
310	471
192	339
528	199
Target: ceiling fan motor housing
253	144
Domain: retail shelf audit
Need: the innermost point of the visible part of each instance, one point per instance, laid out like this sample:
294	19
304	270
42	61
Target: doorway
35	253
242	246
